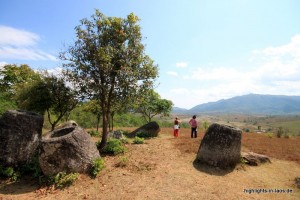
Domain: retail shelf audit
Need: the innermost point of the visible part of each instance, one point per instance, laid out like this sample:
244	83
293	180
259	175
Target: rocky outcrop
20	132
255	159
220	147
68	149
148	130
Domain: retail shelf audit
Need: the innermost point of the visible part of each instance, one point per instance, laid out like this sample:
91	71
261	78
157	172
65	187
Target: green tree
13	78
205	125
108	62
151	105
51	95
94	107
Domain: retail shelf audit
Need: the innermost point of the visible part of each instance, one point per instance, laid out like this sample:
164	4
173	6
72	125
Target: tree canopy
151	105
108	63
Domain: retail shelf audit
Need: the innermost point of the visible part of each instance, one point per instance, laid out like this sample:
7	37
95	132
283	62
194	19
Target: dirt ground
163	168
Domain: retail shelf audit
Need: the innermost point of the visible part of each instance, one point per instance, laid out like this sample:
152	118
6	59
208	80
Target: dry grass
162	168
281	148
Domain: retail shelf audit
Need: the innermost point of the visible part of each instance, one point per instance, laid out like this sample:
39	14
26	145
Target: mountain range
248	104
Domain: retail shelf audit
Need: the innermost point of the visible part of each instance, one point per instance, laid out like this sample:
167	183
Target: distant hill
249	104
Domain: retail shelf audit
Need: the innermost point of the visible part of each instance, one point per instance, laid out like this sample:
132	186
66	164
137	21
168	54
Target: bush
98	165
113	146
123	161
62	179
94	133
138	140
9	172
280	132
270	135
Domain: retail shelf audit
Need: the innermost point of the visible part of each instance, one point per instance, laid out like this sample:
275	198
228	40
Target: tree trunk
104	131
98	121
112	120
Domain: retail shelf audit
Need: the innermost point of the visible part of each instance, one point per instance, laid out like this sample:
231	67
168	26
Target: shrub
94	133
98	165
113	146
138	140
123	161
9	172
280	132
62	179
270	135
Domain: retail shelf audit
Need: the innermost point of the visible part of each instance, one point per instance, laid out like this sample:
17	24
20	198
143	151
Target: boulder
69	149
67	124
20	133
220	147
115	134
150	129
255	159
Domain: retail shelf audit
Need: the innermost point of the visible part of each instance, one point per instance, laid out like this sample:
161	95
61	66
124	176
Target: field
162	168
290	124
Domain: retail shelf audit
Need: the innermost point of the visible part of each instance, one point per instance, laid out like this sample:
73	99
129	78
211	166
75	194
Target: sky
206	50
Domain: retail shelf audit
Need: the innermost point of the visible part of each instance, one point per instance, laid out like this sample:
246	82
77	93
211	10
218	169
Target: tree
205	125
108	62
152	104
94	107
51	95
13	78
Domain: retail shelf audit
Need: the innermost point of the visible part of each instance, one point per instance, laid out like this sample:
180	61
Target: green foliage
123	162
205	125
151	105
9	172
6	103
14	78
108	64
94	133
269	135
280	132
113	146
62	179
98	165
138	140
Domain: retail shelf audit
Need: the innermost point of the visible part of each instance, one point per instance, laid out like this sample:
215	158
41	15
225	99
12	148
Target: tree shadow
25	185
216	171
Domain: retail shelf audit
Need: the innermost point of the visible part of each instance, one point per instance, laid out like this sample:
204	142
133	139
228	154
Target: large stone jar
69	149
20	133
220	147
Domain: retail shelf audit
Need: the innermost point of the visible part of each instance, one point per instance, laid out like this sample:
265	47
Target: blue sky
206	50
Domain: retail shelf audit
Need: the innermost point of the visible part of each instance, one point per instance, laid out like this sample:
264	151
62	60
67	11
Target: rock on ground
20	133
150	129
220	147
68	149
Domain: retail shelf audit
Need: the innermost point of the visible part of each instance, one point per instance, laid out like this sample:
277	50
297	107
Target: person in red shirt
176	127
194	124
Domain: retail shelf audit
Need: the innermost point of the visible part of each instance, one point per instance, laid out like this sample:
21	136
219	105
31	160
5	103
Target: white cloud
14	37
2	64
181	64
272	70
172	73
22	45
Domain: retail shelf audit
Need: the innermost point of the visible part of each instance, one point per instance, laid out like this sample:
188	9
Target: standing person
176	127
194	124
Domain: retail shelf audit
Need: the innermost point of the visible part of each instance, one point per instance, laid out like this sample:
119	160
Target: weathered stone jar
220	147
69	149
20	133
